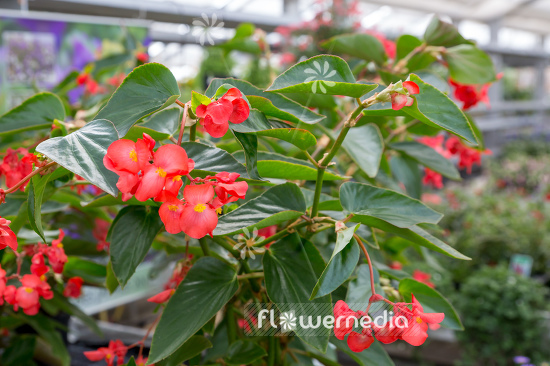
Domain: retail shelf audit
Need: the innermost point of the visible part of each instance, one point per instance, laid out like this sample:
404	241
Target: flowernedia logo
207	29
315	319
320	74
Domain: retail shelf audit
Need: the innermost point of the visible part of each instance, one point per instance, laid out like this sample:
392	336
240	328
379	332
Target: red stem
29	176
185	111
368	260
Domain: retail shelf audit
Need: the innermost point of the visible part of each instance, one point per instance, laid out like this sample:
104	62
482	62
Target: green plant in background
502	315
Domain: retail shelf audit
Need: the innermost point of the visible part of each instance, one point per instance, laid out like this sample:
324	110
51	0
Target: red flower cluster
215	116
73	288
407	324
145	173
99	232
26	296
471	95
115	349
14	169
55	254
423	277
91	86
389	46
197	214
170	287
116	80
399	100
7	236
142	57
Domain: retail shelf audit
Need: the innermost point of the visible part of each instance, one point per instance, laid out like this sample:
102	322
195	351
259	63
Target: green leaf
293	111
39	111
289	279
249	144
191	348
131	236
111	282
322	74
104	200
440	33
407	171
37	187
131	362
88	270
365	146
359	290
244	352
375	355
428	157
431	300
159	126
363	46
477	132
63	304
147	89
47	330
208	286
197	99
277	204
82	153
469	65
212	160
20	351
405	44
341	264
414	234
366	201
256	121
303	139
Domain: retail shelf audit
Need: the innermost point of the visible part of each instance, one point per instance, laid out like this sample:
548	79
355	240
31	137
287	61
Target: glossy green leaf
359	289
406	44
256	121
289	279
440	33
277	204
249	144
365	146
469	65
375	355
322	74
191	348
341	264
37	186
208	286
293	111
366	201
407	171
82	153
477	132
20	351
107	200
363	46
48	330
88	270
431	300
147	89
39	111
244	352
428	157
303	139
159	126
197	99
131	236
212	160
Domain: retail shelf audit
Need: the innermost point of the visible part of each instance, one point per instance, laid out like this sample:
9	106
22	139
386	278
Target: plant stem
180	103
231	324
399	130
310	158
193	132
250	276
271	353
184	118
279	235
369	262
204	246
29	176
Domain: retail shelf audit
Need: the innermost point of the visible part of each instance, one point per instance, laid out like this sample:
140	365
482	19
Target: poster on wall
36	54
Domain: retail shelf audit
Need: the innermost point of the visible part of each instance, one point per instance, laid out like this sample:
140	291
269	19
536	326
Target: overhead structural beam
162	11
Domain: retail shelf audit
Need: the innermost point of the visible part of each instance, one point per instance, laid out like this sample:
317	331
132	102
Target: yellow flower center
418	320
173	207
133	155
219	211
161	172
199	207
177	178
43	278
29	290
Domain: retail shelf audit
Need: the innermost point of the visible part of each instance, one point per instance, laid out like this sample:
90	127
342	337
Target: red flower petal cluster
467	156
142	57
91	86
389	46
73	288
423	277
408	324
215	116
197	214
145	173
27	296
471	95
99	232
115	349
399	100
55	254
14	168
7	236
178	275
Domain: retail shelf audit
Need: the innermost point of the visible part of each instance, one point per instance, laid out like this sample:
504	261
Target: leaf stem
369	262
231	324
280	234
204	246
180	103
183	119
252	275
29	176
193	132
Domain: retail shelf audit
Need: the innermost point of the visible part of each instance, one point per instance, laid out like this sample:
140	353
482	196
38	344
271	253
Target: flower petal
198	224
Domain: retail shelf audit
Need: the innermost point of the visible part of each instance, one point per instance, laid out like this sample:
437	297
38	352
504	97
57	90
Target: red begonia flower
416	332
198	218
411	87
423	277
38	265
162	297
215	117
170	212
81	79
56	254
344	319
15	169
7	236
358	342
433	178
398	101
73	287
